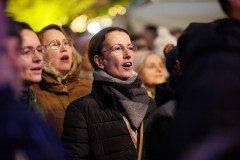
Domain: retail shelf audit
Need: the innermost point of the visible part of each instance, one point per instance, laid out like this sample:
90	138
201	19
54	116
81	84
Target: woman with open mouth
111	121
60	83
30	58
152	69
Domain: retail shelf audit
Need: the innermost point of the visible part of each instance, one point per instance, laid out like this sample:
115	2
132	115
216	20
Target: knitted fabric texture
133	98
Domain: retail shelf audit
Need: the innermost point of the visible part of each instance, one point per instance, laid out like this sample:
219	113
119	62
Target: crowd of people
159	95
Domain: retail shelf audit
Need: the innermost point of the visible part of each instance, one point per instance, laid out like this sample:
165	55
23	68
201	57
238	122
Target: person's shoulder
83	103
34	87
84	82
20	125
152	105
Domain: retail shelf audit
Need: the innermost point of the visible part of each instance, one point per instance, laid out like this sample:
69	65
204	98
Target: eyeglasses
118	49
29	50
56	44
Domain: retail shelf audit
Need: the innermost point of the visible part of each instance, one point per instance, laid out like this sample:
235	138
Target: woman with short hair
111	121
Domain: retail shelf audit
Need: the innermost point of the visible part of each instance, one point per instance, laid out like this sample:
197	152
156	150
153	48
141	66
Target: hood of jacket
201	39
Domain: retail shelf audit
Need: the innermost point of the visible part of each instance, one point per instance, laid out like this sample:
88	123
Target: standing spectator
109	123
23	135
60	83
81	44
209	101
30	59
166	94
140	42
150	34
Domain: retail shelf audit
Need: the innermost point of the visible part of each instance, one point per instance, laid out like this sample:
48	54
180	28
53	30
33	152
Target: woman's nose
63	48
127	53
37	57
159	68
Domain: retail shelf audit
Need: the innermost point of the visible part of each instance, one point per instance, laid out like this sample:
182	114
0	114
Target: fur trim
48	68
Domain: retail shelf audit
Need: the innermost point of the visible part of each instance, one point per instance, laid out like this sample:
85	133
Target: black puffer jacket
210	90
94	128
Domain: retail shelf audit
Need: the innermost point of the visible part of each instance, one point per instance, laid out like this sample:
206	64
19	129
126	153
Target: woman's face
60	57
154	71
117	56
31	57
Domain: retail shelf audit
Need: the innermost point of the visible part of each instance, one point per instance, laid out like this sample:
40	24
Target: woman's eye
26	52
150	66
130	48
40	50
55	44
116	48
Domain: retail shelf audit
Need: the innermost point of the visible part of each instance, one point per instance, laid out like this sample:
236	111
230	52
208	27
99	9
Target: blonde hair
140	61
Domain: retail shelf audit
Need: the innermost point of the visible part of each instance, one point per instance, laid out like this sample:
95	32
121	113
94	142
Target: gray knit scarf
133	98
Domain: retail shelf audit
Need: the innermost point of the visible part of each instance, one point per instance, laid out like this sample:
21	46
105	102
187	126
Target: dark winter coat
29	98
95	130
209	99
23	134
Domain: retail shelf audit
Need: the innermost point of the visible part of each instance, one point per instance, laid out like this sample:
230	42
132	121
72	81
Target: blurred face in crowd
31	57
149	37
154	71
117	55
59	51
86	63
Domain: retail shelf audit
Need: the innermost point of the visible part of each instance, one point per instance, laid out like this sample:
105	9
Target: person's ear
98	61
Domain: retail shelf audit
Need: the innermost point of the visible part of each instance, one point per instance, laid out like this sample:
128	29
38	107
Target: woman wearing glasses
30	60
60	83
111	121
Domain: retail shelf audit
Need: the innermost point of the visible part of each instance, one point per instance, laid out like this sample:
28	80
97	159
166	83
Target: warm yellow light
62	21
112	11
103	21
79	24
93	27
121	10
40	13
106	21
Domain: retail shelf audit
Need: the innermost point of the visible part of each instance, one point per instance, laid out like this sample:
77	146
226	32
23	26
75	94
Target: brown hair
226	7
54	26
96	42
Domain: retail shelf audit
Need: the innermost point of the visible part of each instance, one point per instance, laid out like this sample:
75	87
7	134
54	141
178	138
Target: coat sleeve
75	134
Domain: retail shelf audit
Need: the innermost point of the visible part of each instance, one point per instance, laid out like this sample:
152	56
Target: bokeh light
75	13
40	13
93	27
79	24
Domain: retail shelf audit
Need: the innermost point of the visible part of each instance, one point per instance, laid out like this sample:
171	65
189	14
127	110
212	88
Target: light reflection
79	24
93	27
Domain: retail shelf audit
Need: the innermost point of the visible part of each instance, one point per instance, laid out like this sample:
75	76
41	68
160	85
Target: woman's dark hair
22	25
96	43
226	7
15	28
